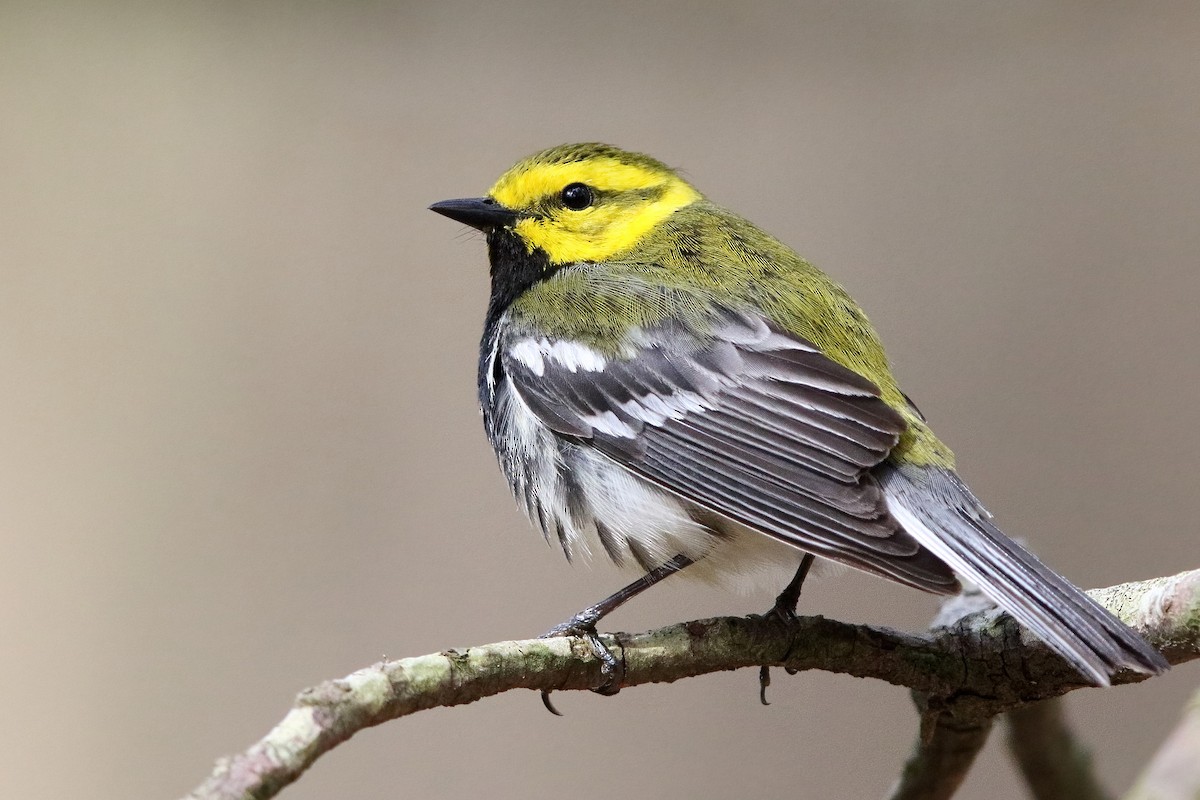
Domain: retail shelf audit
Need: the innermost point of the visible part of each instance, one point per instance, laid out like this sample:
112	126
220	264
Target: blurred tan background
240	446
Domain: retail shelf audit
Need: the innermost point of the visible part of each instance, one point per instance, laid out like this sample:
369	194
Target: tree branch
973	670
944	752
1174	774
1055	764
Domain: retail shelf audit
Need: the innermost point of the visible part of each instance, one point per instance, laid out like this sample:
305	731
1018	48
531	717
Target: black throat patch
514	269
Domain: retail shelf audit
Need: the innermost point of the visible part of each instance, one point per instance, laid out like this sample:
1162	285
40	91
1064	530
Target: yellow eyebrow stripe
602	231
521	189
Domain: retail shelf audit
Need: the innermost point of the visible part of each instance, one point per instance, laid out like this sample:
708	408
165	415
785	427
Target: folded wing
746	421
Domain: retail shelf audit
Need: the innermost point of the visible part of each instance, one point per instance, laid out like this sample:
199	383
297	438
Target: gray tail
939	511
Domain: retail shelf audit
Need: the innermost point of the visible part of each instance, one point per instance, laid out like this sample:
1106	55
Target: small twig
1174	772
942	756
1055	764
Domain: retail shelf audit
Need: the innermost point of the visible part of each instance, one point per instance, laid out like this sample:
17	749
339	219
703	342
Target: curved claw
548	704
583	624
580	626
609	666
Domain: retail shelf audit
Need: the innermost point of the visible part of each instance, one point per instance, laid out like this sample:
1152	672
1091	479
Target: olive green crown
586	151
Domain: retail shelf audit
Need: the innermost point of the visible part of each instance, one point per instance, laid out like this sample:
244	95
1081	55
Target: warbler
667	383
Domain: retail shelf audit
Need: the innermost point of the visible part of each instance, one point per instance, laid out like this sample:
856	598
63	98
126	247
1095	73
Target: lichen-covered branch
980	666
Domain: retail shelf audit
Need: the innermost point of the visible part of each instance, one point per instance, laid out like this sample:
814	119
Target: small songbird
665	382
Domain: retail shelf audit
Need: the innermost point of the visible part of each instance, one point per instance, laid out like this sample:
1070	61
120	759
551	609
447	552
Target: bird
666	383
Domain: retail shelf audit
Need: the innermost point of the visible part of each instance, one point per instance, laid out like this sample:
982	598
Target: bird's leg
785	604
583	624
585	621
784	610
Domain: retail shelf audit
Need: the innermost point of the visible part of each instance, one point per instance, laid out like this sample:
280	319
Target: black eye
577	196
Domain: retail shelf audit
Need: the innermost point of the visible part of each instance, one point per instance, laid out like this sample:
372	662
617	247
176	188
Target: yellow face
590	209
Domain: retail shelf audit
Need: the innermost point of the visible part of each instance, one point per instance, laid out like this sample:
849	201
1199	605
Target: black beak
483	213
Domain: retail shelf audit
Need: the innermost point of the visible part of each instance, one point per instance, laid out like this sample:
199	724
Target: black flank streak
641	555
568	482
609	541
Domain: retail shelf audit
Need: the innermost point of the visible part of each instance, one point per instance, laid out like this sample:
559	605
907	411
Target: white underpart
657	523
